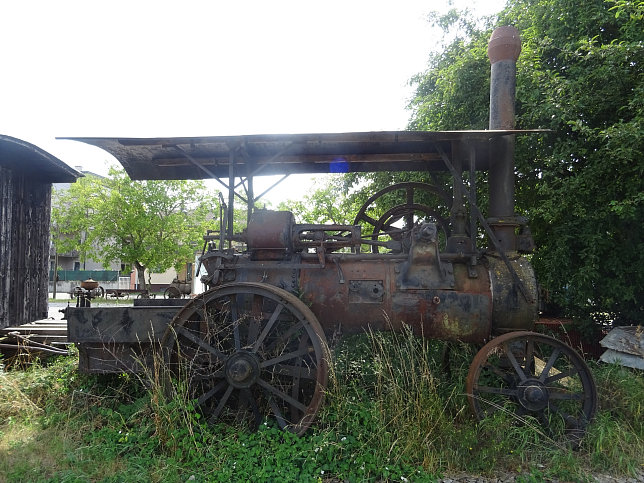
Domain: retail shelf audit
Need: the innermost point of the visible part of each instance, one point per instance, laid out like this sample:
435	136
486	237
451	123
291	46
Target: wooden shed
26	175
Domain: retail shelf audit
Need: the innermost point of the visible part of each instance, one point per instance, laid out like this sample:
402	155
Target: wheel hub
242	369
533	395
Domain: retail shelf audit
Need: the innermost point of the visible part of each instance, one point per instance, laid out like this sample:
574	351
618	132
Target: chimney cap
505	44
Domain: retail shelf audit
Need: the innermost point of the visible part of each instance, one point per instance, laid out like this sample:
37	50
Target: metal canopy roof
23	157
271	154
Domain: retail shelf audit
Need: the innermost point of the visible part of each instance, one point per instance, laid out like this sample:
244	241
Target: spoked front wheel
531	375
250	351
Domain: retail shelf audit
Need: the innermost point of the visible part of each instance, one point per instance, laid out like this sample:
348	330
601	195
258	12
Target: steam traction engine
255	343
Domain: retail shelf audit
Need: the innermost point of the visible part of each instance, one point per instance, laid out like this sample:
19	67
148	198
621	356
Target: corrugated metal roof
23	157
270	154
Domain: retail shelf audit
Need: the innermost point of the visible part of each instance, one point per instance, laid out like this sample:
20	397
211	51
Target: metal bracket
459	183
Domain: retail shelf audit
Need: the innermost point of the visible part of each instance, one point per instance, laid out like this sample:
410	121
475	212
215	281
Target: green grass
390	414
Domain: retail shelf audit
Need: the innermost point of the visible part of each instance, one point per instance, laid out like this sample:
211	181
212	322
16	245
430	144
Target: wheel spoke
502	374
497	390
278	414
529	359
222	403
206	377
543	419
409	217
550	364
305	372
248	396
561	375
207	395
571	421
513	361
255	320
286	357
269	325
521	411
563	394
235	316
285	337
295	388
200	342
282	395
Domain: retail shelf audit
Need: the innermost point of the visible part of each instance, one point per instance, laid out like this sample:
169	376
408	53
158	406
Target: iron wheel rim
533	375
250	351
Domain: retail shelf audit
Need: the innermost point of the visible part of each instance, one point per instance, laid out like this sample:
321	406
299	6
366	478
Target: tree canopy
582	186
325	204
151	225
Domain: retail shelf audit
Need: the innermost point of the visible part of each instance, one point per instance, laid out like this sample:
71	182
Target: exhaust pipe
503	50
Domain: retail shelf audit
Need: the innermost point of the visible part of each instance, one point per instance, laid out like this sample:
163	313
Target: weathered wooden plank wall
25	206
6	197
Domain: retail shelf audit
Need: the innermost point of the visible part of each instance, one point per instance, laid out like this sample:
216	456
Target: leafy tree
326	204
151	225
580	75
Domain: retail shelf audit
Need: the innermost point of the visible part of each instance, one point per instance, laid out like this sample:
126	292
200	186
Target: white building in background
160	282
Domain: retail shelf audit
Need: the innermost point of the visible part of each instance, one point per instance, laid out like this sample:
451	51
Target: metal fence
98	275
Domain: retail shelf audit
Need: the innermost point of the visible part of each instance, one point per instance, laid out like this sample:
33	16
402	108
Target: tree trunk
140	270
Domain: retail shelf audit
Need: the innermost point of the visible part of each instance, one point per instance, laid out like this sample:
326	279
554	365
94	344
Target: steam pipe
503	50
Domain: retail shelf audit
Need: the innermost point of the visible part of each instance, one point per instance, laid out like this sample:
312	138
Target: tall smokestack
503	51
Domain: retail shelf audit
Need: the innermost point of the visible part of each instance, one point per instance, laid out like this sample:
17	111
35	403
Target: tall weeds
388	390
392	412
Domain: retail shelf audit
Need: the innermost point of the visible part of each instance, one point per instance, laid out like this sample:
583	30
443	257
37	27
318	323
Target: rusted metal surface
503	51
528	373
275	154
177	289
512	310
254	348
431	275
116	339
440	295
118	324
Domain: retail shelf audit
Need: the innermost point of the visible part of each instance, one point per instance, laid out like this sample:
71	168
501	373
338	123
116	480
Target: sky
209	68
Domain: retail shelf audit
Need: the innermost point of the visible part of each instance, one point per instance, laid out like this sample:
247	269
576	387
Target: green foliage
326	204
391	414
152	225
580	75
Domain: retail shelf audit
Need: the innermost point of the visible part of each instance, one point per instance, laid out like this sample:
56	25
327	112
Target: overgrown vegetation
391	413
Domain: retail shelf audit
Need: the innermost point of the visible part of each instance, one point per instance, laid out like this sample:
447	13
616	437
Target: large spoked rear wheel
249	351
533	377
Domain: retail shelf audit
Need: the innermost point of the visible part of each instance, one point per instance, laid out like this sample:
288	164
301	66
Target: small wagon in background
178	289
